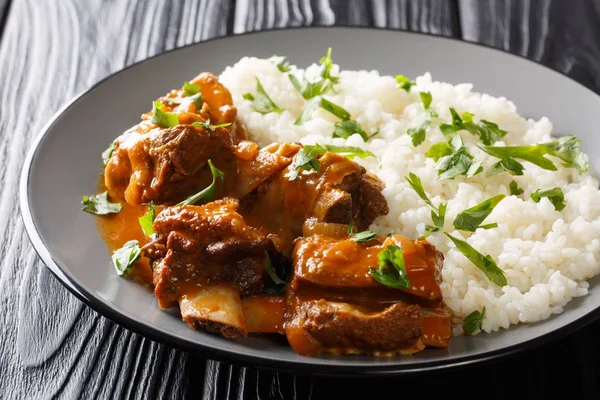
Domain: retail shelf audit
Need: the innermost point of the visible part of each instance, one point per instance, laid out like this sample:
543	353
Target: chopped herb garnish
309	108
325	83
404	83
334	109
438	219
162	118
515	190
280	62
534	154
439	150
208	193
345	129
488	132
471	218
326	66
147	220
360	237
99	204
475	169
415	183
124	258
271	272
392	271
567	149
457	163
190	89
307	160
422	121
206	125
509	165
262	102
106	154
473	322
485	263
348	151
555	195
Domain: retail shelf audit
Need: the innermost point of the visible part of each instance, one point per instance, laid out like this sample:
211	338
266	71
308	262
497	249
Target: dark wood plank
560	34
53	346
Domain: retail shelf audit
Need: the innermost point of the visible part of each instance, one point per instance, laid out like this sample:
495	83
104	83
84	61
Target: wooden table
51	345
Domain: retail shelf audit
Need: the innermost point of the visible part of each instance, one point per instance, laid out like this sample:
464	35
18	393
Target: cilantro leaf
473	322
99	204
515	190
555	195
422	121
567	149
125	257
306	159
106	154
439	150
190	89
326	67
280	62
309	108
334	109
262	102
206	125
475	169
471	218
415	183
392	271
458	163
534	154
208	193
147	220
360	237
509	165
438	219
488	132
485	263
404	83
324	84
348	151
162	118
345	129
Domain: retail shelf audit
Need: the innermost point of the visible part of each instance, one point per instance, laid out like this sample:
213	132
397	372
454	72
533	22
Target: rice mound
547	255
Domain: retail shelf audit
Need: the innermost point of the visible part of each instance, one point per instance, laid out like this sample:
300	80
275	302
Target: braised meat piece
340	191
204	254
335	305
163	165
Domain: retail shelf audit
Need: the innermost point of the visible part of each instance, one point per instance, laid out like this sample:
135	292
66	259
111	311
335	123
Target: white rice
547	255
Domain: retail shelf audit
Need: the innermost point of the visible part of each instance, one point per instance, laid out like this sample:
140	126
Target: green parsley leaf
515	190
334	109
326	66
392	271
509	165
348	151
208	193
475	169
162	118
360	237
438	219
415	183
99	204
473	322
206	125
439	150
422	121
567	149
106	154
280	62
471	218
458	163
190	89
404	83
309	108
124	258
534	154
271	272
485	263
147	220
306	159
345	129
555	195
488	132
325	83
262	102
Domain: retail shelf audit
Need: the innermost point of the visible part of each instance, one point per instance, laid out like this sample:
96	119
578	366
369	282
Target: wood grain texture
52	346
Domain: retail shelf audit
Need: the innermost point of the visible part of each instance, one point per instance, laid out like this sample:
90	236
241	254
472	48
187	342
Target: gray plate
64	164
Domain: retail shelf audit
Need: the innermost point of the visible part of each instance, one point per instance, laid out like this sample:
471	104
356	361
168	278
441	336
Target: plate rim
230	356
